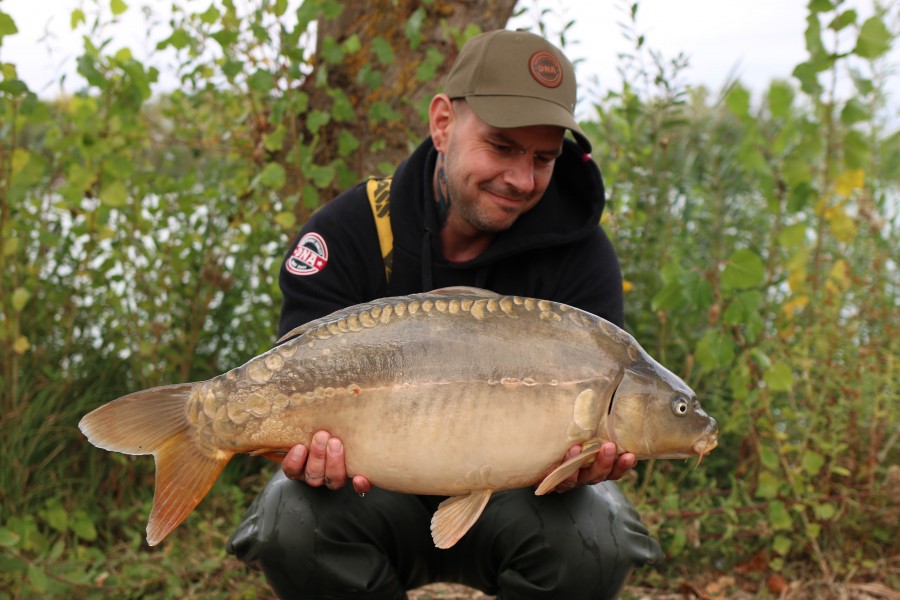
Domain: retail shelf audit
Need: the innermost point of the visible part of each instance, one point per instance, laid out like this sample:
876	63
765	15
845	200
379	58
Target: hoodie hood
569	210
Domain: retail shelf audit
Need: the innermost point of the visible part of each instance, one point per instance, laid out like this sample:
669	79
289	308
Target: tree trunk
403	89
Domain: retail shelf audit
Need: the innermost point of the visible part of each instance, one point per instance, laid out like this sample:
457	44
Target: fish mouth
705	445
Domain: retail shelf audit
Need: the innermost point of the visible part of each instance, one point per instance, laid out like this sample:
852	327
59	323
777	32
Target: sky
754	40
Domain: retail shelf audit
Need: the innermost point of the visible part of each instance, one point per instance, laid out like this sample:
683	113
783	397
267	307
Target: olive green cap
516	79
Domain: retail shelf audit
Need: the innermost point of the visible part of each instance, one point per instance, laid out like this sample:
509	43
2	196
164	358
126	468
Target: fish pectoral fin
276	454
562	472
456	515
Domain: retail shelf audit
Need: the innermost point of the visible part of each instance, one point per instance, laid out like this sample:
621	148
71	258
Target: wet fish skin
459	392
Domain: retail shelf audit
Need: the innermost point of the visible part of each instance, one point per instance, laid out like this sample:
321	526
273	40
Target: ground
722	587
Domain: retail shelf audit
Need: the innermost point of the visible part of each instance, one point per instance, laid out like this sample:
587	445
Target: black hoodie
556	251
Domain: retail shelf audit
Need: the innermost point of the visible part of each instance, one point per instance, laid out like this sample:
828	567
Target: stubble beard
468	208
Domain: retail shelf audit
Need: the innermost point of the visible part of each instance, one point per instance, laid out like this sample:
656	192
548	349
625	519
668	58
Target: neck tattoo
443	196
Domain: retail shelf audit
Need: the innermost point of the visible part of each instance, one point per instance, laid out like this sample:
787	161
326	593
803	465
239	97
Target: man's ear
440	117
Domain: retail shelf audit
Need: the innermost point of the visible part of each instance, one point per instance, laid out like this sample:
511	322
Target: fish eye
680	405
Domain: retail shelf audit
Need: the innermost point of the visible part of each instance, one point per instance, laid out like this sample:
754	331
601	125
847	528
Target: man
496	198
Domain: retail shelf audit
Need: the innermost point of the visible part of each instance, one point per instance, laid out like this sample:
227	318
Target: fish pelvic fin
456	515
563	471
155	422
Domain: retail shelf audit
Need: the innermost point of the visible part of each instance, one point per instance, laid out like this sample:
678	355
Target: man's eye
502	149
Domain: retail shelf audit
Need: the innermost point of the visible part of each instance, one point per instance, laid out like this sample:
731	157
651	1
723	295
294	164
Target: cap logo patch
545	69
309	256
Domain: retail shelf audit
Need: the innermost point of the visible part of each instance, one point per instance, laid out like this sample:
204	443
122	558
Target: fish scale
458	392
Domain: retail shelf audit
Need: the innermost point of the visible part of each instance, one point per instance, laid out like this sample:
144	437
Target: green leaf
781	96
262	80
738	101
768	457
413	28
781	545
856	150
767	485
280	7
118	7
8	539
38	578
342	109
667	298
352	44
10	246
812	462
82	525
331	9
677	543
76	18
821	5
331	51
824	511
20	297
428	67
813	35
347	143
715	350
180	39
874	39
273	141
317	119
272	176
779	517
808	76
383	51
310	196
745	269
848	17
853	112
114	195
322	176
56	515
779	378
210	16
7	26
286	220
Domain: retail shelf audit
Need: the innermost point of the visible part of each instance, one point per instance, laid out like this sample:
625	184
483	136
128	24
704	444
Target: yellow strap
379	193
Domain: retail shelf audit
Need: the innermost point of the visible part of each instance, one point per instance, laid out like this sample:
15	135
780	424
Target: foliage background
141	234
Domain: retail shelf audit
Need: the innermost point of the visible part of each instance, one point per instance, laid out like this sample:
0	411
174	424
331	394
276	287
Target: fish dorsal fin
456	515
301	329
468	290
562	472
337	315
295	332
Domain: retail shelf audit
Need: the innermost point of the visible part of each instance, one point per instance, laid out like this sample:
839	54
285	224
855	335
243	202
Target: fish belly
443	438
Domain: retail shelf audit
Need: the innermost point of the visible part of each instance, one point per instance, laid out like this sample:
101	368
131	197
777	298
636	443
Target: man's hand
321	464
608	465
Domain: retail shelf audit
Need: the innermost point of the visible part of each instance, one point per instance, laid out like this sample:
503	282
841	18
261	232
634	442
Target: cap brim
520	111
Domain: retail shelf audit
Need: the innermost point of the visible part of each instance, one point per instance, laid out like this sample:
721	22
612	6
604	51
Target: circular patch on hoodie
310	255
545	69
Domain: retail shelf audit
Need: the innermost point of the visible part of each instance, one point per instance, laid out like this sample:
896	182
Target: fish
459	392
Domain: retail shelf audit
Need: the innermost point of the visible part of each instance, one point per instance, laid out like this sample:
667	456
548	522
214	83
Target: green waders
319	543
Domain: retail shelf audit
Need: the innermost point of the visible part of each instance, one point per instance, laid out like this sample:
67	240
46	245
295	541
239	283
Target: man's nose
520	173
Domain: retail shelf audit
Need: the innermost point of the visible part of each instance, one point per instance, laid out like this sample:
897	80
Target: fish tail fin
155	422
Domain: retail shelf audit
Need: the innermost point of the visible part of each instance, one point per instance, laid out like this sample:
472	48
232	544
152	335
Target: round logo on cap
545	69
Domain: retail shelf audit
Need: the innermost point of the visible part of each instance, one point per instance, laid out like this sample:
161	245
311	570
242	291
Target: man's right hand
322	464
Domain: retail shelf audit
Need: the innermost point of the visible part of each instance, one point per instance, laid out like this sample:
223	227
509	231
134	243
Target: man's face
495	175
